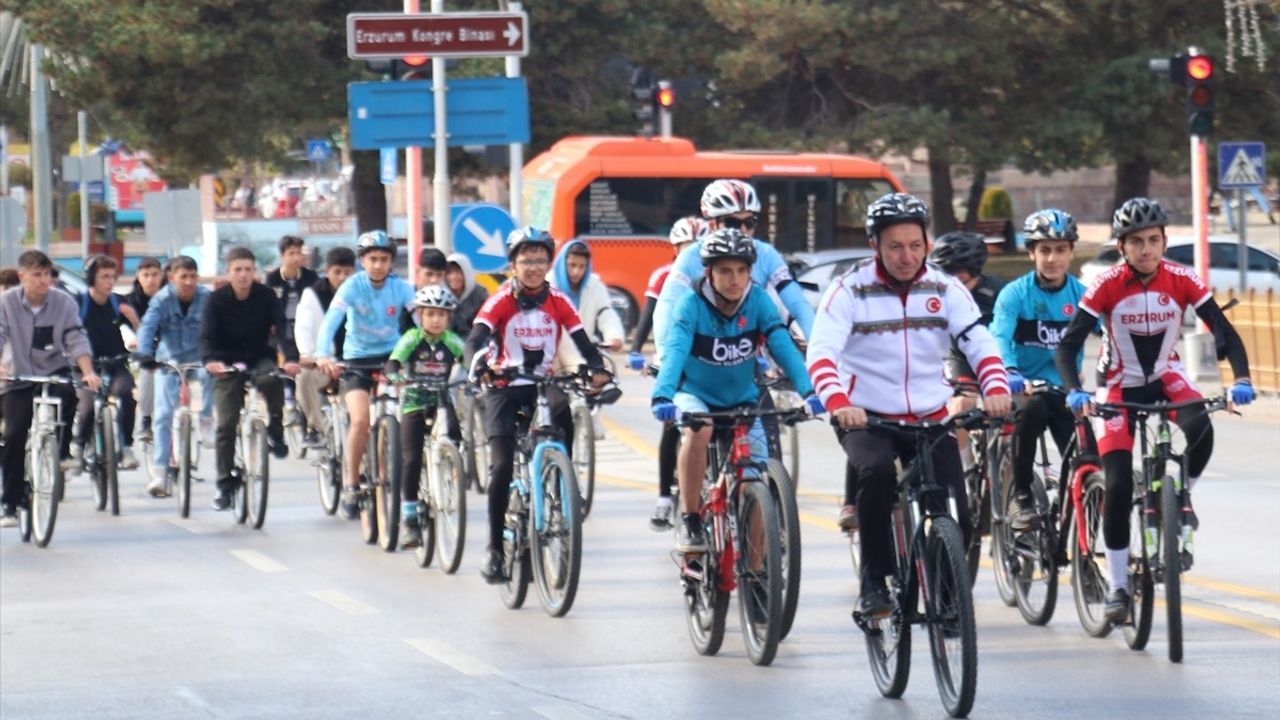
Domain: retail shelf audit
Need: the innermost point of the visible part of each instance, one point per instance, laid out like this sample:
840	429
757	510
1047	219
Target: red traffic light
666	98
415	60
1200	67
1200	96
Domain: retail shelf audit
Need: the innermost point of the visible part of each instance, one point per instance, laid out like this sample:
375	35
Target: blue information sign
481	111
480	232
1241	165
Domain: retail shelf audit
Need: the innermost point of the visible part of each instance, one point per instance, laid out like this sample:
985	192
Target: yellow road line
1233	589
1262	628
628	437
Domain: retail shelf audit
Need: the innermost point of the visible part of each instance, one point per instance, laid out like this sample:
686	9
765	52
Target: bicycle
744	548
44	479
1164	543
542	536
295	424
184	456
930	559
475	441
585	405
442	486
328	464
378	493
783	486
252	469
104	462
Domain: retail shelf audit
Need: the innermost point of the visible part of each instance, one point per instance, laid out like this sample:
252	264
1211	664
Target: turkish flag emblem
1068	309
933	305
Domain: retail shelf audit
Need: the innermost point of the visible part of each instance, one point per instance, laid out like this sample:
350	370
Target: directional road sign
318	150
449	35
481	111
1241	165
480	232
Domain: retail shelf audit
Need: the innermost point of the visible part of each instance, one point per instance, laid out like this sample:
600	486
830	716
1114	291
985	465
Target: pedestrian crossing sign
1241	165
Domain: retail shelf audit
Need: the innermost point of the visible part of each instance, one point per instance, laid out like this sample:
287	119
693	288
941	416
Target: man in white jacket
339	264
571	275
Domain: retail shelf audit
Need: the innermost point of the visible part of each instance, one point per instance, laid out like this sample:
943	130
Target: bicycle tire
258	480
1038	568
783	489
556	549
1171	552
979	500
364	498
329	483
1138	632
943	571
479	448
386	486
425	553
110	457
1089	582
759	592
294	432
240	497
98	477
1001	537
584	456
450	508
183	446
888	639
515	554
706	605
46	490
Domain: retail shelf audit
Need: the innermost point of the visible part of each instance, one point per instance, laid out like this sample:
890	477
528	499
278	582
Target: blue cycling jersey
372	316
1030	321
713	356
768	271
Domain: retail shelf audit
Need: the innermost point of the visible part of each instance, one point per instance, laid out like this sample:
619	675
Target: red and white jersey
526	339
657	280
875	348
1142	323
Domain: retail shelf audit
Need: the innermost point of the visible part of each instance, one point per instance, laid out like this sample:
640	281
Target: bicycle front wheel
110	458
706	604
258	479
1002	537
584	456
46	490
1138	631
1034	569
1170	541
760	577
782	487
386	486
97	470
1088	559
182	446
478	447
450	506
953	639
515	553
555	537
425	552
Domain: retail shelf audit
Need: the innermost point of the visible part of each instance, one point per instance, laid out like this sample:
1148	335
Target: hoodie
472	298
591	300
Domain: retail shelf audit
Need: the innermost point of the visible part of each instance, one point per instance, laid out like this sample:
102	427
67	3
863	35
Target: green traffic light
1200	123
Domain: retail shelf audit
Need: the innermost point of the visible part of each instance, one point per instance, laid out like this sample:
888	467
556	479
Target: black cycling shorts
359	374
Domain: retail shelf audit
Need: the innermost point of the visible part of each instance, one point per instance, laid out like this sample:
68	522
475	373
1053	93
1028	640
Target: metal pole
41	168
4	161
515	173
413	187
82	127
1243	227
441	182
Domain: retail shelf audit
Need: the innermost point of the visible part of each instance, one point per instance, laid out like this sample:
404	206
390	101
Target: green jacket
421	355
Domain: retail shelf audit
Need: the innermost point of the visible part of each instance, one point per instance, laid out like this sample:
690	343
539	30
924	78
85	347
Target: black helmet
1137	214
959	250
529	235
893	209
375	240
1051	224
726	244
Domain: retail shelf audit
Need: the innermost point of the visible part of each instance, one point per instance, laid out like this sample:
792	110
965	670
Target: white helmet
726	197
435	296
687	230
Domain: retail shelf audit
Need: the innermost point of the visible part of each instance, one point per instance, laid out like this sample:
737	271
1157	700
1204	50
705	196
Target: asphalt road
145	615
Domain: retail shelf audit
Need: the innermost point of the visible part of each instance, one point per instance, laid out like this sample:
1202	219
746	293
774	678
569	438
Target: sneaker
279	448
661	518
849	518
689	536
350	504
1021	514
72	463
222	501
207	437
410	533
158	487
313	439
874	600
1117	609
144	431
127	460
493	571
9	518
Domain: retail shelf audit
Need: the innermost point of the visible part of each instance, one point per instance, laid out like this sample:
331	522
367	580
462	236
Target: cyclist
40	325
461	281
427	350
103	312
878	346
148	278
432	267
339	264
963	255
686	230
519	329
571	274
240	322
1141	303
371	303
170	331
709	362
288	281
1031	314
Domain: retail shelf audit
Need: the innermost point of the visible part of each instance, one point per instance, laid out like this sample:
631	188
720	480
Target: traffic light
410	67
664	96
642	101
1199	85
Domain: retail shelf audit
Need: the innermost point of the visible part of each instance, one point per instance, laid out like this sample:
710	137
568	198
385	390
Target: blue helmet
529	235
1050	224
375	240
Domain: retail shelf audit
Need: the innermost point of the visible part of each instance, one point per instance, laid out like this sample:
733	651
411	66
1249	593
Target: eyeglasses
540	262
737	223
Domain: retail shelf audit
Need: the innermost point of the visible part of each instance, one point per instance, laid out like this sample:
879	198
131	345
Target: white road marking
191	526
345	603
444	653
191	696
563	711
258	561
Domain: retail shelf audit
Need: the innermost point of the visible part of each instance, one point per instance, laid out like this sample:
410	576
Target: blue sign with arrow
480	232
481	111
318	150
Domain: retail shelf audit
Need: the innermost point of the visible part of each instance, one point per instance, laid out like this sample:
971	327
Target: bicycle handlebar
967	420
742	414
1211	404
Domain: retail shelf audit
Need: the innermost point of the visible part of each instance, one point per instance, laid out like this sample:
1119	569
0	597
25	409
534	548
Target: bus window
795	213
853	197
628	207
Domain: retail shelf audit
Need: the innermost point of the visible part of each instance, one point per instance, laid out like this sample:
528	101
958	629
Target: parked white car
1263	271
815	271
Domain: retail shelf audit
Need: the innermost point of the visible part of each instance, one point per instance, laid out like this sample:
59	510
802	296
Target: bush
20	175
995	205
97	211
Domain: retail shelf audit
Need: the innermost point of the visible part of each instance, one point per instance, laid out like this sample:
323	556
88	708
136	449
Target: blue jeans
759	443
166	402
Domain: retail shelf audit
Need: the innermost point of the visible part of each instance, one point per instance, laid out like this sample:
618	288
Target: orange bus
622	194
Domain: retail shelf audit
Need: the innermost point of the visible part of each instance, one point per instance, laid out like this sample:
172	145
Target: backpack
84	306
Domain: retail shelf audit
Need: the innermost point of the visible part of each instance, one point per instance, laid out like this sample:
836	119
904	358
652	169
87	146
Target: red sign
451	35
130	178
